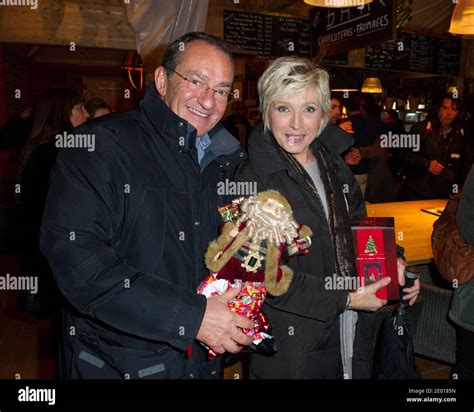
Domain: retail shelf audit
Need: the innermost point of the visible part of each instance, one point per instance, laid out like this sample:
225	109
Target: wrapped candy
248	303
259	233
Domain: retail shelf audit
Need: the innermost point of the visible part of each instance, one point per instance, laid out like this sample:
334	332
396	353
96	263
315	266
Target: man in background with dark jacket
237	124
126	227
436	171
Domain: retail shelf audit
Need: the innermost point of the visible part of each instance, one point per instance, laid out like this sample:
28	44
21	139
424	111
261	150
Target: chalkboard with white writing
267	36
416	53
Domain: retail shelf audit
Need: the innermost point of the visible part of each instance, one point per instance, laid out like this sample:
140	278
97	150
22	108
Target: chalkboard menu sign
268	36
344	29
448	56
422	54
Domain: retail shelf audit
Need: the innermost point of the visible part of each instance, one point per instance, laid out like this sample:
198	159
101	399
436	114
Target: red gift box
376	253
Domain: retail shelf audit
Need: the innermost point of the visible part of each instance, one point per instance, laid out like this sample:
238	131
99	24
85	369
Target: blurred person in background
14	133
437	169
237	124
57	111
393	122
353	156
371	172
97	107
336	113
394	126
336	109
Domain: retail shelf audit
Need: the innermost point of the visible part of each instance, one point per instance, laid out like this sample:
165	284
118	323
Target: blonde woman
296	151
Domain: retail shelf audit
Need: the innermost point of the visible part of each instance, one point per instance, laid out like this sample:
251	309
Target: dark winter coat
305	320
34	188
449	151
125	231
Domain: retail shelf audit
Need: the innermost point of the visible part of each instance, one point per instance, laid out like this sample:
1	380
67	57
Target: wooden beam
276	6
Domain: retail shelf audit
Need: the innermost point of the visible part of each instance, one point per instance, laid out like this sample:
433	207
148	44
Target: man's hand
414	291
353	157
435	167
365	299
221	328
346	126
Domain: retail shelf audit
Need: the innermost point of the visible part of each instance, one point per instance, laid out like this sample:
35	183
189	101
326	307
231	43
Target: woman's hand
364	298
411	293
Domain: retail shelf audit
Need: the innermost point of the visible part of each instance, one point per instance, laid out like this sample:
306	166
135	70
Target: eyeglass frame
230	95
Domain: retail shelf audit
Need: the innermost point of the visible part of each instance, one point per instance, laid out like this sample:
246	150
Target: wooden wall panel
88	23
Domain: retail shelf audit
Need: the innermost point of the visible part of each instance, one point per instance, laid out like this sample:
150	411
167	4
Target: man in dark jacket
126	227
436	170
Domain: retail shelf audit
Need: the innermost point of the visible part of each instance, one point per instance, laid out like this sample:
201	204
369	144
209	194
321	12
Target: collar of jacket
224	149
262	147
171	128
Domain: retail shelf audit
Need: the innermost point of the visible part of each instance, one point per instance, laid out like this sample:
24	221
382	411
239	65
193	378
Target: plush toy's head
251	247
269	217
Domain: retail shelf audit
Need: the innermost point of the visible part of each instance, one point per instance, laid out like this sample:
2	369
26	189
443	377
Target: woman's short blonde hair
289	75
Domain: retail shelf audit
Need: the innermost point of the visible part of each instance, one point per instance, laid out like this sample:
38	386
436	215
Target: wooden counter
413	227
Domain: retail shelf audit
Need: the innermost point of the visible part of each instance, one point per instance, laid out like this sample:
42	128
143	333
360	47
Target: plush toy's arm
274	287
305	231
217	255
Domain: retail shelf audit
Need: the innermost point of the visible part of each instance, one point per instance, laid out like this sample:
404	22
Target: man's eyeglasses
201	86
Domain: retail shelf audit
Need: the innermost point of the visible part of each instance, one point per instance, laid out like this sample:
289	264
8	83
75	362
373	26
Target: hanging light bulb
462	21
453	90
337	3
344	112
372	85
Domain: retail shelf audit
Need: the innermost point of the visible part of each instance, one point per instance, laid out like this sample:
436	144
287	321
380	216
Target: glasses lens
222	97
203	87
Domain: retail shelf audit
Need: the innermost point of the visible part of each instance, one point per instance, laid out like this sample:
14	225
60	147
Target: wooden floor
26	344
